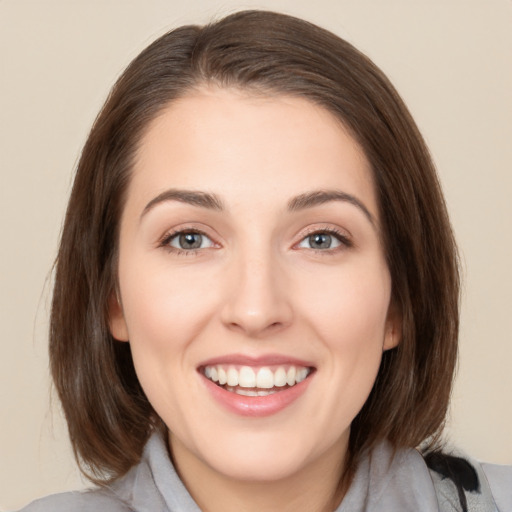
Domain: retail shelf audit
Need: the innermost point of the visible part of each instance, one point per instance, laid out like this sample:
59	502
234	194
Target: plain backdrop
450	59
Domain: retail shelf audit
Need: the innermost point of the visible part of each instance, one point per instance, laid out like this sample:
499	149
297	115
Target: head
263	55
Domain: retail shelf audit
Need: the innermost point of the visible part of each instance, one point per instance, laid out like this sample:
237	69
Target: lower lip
257	406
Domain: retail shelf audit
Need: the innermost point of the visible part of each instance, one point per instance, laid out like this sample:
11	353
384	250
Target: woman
256	293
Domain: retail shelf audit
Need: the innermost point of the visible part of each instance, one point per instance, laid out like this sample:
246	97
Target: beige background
451	61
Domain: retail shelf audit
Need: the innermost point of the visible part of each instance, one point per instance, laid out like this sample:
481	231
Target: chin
264	456
264	468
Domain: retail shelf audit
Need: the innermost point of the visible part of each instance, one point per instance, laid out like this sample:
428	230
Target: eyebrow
319	197
298	203
193	197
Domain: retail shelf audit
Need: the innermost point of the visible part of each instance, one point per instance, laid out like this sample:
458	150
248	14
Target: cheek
348	313
350	306
165	308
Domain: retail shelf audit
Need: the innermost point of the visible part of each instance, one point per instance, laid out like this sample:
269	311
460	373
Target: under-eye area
252	381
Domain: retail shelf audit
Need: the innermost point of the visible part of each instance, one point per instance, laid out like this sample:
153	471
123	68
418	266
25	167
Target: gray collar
383	483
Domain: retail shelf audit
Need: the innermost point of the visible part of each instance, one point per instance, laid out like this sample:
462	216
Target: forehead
242	144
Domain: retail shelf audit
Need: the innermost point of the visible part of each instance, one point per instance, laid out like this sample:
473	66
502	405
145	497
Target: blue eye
189	241
323	240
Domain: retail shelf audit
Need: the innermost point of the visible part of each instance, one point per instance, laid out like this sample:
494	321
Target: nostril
256	309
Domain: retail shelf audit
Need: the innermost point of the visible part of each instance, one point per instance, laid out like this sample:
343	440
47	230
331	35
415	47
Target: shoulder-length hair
108	414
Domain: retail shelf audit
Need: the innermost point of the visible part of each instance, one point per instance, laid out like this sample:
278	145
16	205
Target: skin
255	287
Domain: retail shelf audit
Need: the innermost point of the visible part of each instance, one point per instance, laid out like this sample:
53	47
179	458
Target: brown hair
108	415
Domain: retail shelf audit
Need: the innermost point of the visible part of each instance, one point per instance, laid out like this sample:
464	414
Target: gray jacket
382	483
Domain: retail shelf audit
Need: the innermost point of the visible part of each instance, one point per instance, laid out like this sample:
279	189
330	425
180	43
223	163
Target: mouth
256	381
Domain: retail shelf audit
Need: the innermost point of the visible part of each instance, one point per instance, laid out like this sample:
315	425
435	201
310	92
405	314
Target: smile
250	381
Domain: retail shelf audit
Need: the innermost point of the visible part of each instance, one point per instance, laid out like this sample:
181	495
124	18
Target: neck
314	488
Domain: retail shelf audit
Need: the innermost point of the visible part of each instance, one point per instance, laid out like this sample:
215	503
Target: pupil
190	241
320	241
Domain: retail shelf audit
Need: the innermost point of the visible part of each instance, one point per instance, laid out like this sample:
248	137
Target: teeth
222	376
247	377
301	375
290	376
266	393
245	392
240	380
232	377
265	378
211	373
280	378
251	392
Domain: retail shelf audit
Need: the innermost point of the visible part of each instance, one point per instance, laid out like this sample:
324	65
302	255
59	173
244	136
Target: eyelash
166	240
343	239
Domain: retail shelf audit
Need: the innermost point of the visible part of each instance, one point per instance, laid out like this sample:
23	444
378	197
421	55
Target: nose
258	300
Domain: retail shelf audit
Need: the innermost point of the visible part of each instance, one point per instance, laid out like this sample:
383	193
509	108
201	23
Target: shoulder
152	485
79	501
500	482
462	481
388	480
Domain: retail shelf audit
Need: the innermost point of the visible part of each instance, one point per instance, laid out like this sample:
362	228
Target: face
253	287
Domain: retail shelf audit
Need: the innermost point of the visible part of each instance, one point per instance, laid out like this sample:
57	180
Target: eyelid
164	241
343	236
177	237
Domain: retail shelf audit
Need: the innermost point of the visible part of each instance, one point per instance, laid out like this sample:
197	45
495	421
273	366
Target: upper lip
256	361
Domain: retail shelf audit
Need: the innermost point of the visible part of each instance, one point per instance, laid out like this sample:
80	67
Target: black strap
458	484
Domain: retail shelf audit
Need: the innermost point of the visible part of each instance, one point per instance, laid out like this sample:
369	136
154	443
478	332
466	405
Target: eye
188	241
324	240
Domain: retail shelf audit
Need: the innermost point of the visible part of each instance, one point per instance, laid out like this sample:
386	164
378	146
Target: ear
116	321
393	333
